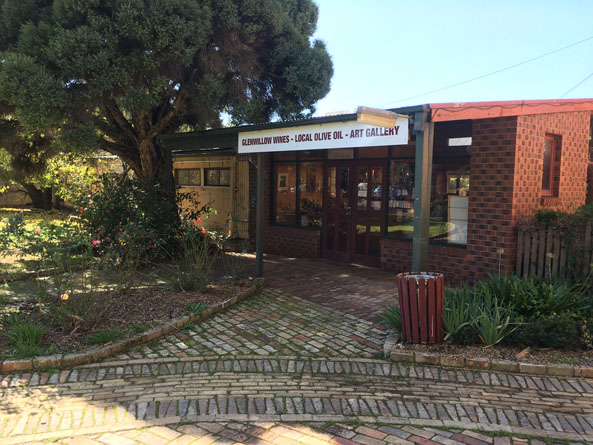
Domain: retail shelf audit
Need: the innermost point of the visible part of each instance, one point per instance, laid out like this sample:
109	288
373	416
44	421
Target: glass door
337	211
354	211
368	213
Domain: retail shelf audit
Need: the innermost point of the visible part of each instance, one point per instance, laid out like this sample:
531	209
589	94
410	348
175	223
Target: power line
493	72
576	86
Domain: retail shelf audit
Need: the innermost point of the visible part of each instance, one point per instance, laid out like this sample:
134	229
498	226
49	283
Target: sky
386	52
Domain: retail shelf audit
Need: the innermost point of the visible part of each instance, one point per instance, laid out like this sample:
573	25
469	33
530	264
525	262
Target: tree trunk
41	197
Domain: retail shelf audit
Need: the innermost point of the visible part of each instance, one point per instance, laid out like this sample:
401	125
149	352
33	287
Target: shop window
220	177
551	166
285	196
298	193
449	200
401	199
310	194
188	176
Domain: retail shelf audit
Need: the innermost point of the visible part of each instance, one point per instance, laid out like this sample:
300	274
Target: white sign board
323	137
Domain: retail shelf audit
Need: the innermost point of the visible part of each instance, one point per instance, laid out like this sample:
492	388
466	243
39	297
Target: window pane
182	177
401	199
311	194
547	173
285	198
449	201
194	176
225	176
212	176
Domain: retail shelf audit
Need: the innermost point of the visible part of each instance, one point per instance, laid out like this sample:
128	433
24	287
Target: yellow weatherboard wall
230	203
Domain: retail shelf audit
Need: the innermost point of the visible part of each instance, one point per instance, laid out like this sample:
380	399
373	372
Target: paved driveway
279	368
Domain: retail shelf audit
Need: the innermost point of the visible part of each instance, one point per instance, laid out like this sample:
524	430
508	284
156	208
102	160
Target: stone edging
60	361
482	363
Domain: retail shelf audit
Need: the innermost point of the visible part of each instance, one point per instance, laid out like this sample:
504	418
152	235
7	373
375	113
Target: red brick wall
572	131
489	212
396	257
490	231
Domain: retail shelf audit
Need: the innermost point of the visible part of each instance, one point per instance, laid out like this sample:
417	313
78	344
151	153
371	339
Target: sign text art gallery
323	136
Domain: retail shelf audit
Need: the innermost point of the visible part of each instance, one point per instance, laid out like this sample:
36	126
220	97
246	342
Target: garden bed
121	316
543	356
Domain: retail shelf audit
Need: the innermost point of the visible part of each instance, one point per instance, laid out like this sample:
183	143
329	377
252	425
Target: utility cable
576	86
492	73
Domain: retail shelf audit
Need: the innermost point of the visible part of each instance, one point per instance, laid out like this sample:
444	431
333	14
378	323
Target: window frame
219	169
178	183
552	167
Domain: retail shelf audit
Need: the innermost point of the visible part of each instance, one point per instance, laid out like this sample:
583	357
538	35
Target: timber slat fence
546	253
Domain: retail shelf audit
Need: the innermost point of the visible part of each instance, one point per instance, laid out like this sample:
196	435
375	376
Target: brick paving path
291	363
311	433
272	323
348	288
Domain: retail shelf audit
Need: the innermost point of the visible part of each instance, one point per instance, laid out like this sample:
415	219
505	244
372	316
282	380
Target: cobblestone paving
272	323
311	433
121	394
289	362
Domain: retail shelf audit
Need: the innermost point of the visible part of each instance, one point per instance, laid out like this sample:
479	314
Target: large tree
24	154
117	74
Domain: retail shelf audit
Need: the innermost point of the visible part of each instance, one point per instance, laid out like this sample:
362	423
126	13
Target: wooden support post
259	218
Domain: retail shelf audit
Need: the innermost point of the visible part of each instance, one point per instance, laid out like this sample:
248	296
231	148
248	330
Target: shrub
104	336
80	312
532	296
392	317
558	332
194	268
25	337
475	315
456	314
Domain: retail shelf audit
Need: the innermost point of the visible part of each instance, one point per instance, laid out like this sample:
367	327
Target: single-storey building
347	191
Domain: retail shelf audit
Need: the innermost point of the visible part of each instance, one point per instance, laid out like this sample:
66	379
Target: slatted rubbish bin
421	300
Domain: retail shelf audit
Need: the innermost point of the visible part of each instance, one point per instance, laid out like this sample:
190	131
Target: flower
37	231
204	232
198	221
64	296
96	242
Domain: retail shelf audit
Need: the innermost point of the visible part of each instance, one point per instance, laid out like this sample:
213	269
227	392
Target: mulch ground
532	355
132	312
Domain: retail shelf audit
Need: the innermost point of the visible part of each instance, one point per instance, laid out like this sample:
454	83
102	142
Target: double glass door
354	211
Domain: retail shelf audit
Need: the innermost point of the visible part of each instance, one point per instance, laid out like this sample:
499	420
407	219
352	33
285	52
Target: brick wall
572	131
489	212
396	257
490	231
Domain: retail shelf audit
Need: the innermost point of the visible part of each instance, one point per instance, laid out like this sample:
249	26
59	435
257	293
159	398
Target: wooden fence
545	253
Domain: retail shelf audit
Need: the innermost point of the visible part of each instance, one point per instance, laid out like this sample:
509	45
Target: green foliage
196	308
25	337
392	317
192	269
494	310
130	222
117	75
77	312
456	313
532	296
559	332
104	336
